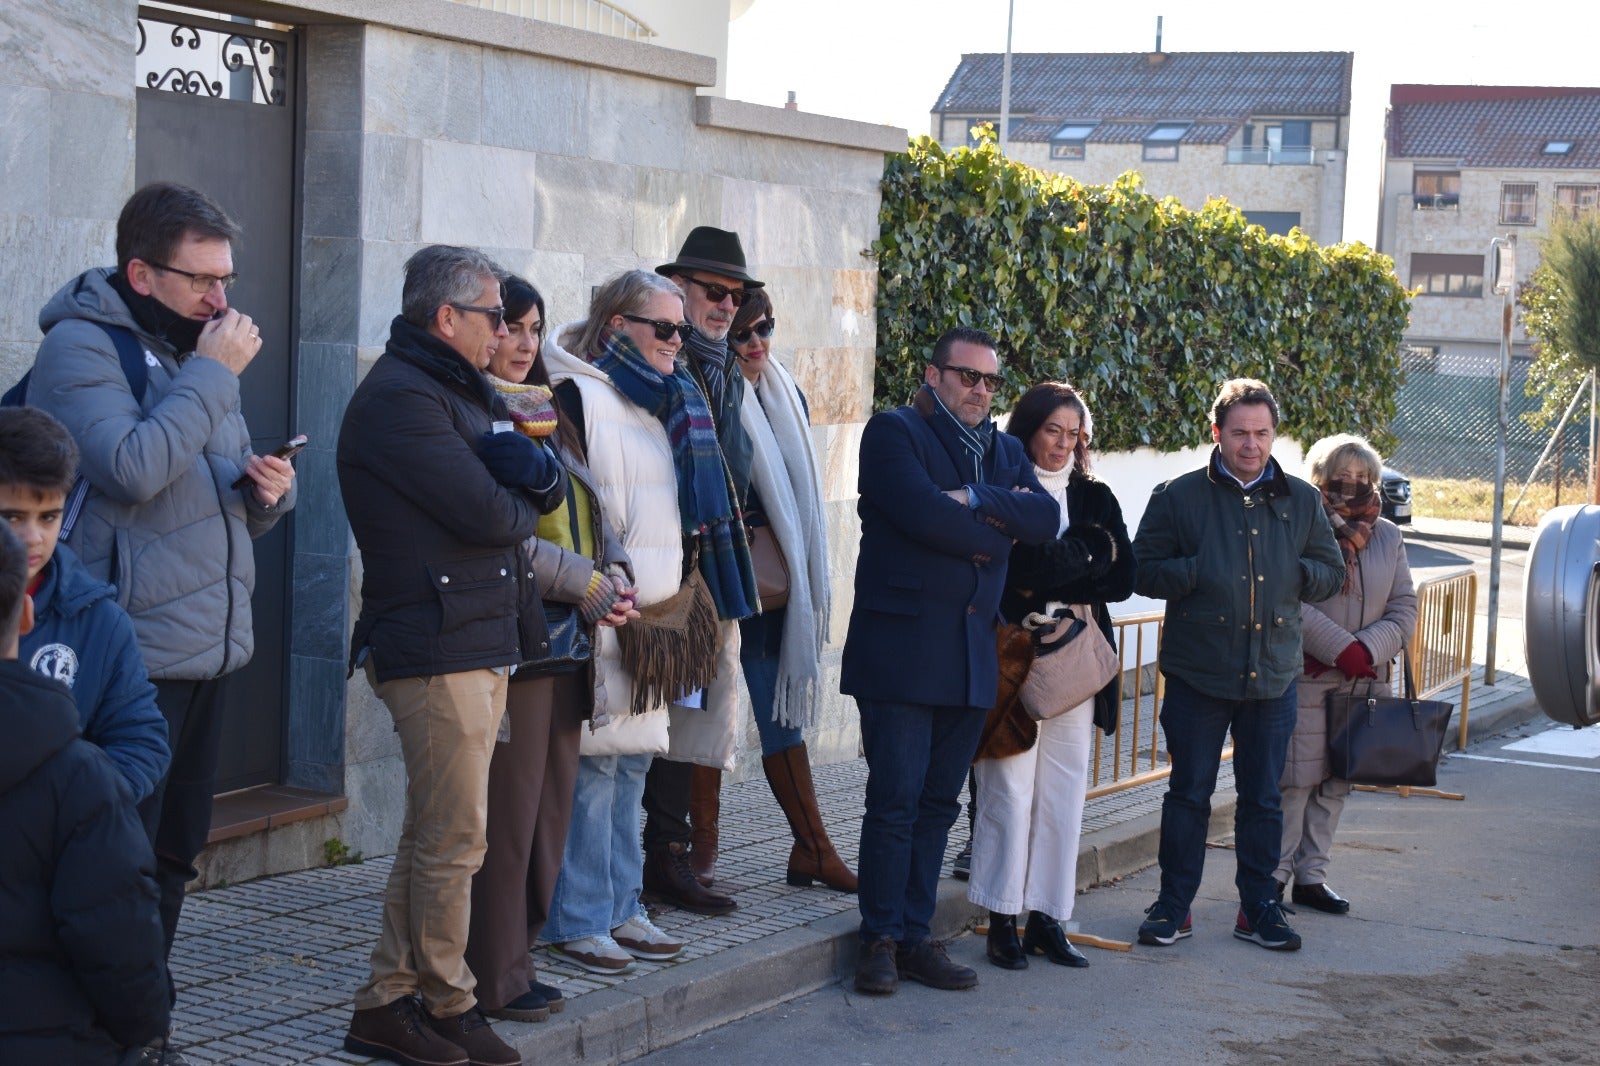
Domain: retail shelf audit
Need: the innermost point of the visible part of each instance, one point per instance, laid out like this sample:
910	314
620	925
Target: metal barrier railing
1441	644
1441	657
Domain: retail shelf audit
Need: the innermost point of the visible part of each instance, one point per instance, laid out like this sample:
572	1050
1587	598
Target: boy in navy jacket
81	637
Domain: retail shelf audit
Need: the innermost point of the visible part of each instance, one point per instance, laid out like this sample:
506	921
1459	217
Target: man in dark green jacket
1233	548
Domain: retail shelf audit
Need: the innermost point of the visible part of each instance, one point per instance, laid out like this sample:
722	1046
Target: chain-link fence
1446	424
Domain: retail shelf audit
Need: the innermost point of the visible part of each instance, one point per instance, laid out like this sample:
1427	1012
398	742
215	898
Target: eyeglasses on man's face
200	283
970	377
762	329
497	315
664	330
717	293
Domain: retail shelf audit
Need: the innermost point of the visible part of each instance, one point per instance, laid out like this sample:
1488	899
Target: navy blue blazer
931	569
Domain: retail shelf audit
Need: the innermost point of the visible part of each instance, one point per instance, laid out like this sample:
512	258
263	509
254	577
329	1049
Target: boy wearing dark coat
80	636
82	979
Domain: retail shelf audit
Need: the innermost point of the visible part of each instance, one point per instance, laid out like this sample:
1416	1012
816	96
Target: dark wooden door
217	111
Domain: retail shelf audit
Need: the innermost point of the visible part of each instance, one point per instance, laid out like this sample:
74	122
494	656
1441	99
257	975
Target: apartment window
1576	199
1279	222
1518	203
1436	190
1068	141
1161	143
1447	275
1561	147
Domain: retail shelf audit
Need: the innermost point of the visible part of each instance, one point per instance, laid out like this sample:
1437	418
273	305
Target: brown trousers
531	783
447	725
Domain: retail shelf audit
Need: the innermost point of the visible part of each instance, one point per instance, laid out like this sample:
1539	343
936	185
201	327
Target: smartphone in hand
287	450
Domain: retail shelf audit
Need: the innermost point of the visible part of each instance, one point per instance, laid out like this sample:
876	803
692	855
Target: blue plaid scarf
705	490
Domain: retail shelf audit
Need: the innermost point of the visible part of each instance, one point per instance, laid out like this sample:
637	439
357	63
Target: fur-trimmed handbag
1008	730
671	648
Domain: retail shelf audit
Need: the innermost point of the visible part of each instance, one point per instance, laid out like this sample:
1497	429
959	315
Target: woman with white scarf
781	648
1030	804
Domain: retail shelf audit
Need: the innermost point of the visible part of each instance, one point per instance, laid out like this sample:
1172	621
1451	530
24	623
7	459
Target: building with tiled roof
1464	164
1268	131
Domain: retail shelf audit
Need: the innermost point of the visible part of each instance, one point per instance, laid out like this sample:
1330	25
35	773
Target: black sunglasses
763	330
717	293
664	330
971	377
497	315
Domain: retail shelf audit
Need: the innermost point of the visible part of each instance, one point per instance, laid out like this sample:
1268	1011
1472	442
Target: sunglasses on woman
762	330
664	330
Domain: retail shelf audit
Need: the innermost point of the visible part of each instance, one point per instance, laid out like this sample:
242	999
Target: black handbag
1386	740
570	647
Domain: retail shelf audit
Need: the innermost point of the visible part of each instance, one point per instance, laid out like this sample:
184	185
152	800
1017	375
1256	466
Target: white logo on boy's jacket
56	661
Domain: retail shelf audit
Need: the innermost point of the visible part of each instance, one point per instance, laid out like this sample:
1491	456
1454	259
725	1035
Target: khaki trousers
447	725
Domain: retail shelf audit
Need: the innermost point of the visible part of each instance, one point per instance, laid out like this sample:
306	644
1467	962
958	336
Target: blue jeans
758	656
603	865
917	758
1196	724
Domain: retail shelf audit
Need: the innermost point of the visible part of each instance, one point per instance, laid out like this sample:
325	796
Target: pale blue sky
887	60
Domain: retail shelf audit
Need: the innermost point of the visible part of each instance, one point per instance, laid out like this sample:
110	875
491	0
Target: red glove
1315	667
1356	661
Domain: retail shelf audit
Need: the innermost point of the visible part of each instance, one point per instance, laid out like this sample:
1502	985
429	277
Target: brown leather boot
668	879
812	858
705	804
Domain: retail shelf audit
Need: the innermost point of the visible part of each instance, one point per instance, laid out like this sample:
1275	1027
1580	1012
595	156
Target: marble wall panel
534	103
580	205
670	203
837	383
422	86
26	189
382	275
376	790
391	183
50	253
331	206
72	45
557	275
465	192
334	77
639	121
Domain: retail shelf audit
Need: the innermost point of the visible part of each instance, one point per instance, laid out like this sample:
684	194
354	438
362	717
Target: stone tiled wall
568	174
66	154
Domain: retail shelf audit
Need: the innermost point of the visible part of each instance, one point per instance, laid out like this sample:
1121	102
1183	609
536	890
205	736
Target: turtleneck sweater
1056	485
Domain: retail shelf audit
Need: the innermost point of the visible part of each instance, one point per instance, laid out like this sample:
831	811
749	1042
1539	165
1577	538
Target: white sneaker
597	954
639	937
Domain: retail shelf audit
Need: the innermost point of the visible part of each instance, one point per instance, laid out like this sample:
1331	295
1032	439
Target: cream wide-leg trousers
1030	817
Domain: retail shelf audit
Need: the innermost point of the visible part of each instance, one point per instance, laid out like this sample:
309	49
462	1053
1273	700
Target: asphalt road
1471	940
1431	558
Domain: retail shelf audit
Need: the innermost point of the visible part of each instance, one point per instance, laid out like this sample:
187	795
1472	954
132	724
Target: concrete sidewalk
266	969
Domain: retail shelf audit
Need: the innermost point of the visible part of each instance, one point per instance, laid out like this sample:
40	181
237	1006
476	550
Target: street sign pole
1503	254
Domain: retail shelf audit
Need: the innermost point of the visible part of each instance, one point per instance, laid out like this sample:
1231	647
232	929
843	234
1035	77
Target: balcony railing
1273	157
1450	201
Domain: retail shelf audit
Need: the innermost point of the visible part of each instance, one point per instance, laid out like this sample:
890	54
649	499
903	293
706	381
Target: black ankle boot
1044	936
1005	951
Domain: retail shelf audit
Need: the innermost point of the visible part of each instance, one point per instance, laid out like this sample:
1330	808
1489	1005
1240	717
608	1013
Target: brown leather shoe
875	969
705	805
471	1032
401	1032
813	857
668	879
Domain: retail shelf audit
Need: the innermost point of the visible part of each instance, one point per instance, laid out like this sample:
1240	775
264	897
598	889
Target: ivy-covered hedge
1144	304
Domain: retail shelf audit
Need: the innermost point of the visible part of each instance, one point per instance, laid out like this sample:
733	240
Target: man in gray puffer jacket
162	520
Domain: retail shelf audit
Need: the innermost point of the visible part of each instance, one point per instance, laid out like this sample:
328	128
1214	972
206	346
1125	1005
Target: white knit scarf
1056	484
785	475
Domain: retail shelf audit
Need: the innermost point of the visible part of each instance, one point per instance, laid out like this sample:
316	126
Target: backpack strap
130	353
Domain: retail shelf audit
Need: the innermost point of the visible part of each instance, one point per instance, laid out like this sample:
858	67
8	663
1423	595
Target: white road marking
1529	762
1570	743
